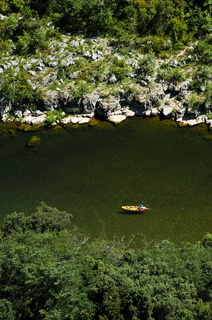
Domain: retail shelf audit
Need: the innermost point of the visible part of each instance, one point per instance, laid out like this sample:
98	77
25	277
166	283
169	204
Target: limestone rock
80	120
112	79
181	95
67	61
2	17
83	120
128	113
50	100
74	43
66	120
89	102
107	106
52	64
209	122
167	112
34	120
183	86
116	119
18	113
174	63
48	79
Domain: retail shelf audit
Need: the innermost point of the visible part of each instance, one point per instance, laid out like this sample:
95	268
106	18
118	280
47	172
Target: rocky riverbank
78	79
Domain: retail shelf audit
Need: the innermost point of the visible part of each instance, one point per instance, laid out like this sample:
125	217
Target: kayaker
140	207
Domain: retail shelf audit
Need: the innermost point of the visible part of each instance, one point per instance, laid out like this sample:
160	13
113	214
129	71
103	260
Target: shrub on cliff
20	92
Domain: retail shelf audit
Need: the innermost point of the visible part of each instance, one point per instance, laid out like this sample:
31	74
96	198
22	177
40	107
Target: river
90	171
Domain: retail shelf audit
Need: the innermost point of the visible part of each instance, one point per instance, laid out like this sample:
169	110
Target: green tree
61	275
6	310
44	219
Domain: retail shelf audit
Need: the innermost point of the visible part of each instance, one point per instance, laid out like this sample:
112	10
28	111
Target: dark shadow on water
134	213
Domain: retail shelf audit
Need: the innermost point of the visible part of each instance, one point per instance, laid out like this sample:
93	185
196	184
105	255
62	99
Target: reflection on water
92	171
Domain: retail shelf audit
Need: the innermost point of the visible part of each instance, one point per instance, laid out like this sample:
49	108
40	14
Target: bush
171	75
20	92
30	42
207	240
202	77
203	51
54	116
9	26
208	97
119	68
46	218
147	64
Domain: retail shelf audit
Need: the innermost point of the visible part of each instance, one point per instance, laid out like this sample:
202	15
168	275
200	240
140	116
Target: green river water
92	171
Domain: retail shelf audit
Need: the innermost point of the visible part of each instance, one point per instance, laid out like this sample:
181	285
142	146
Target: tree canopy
50	272
177	19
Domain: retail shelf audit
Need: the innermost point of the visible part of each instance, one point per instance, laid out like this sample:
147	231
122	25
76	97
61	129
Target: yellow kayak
135	208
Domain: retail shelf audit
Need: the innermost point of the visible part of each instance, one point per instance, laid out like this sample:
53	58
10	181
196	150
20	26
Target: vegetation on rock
53	53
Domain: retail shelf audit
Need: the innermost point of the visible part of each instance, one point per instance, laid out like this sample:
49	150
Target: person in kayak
140	207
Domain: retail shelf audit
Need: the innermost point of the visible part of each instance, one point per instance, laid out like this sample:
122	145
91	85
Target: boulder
80	120
74	43
167	112
191	122
5	106
143	83
66	120
32	73
116	119
73	105
83	120
49	78
127	96
33	141
107	106
94	56
143	102
128	113
26	113
89	102
183	86
67	61
2	17
18	113
182	94
157	91
52	64
209	122
74	75
50	100
40	65
34	120
57	129
152	112
112	79
147	113
174	63
87	54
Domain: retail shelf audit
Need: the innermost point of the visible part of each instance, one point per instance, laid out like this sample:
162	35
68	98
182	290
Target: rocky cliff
76	79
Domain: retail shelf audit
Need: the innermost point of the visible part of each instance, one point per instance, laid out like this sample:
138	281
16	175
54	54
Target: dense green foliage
177	19
48	272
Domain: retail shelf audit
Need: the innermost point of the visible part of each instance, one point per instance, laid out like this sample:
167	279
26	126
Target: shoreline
36	123
40	119
91	78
